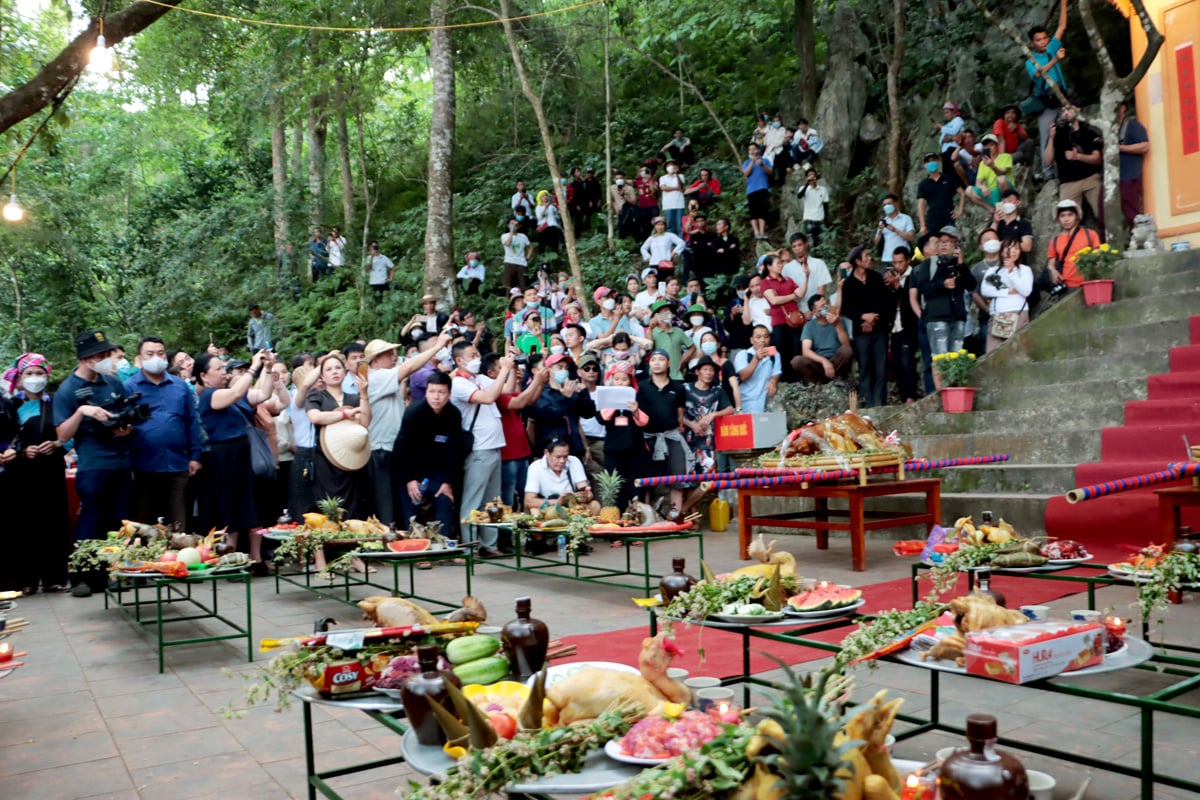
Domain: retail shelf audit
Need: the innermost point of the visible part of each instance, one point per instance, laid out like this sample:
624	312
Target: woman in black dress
327	404
226	410
36	470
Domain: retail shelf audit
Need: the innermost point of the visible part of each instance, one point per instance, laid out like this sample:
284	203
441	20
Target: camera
522	360
1058	290
128	412
995	281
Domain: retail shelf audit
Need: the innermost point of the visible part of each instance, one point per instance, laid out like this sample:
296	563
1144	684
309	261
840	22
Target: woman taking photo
226	411
1007	286
35	469
329	405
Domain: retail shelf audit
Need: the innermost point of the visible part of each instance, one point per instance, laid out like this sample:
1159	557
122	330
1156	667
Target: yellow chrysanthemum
1083	251
1104	248
952	355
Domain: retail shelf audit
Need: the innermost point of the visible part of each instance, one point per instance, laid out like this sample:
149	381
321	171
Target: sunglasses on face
589	368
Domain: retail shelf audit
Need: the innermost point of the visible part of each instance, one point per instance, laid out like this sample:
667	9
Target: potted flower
1095	264
955	370
90	563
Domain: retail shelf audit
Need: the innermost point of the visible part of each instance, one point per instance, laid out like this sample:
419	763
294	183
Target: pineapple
799	742
608	486
331	507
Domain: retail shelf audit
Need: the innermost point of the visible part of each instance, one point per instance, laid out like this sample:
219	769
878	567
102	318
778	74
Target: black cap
253	306
92	343
705	361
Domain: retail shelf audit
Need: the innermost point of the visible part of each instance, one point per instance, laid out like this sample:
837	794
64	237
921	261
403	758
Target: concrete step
1153	308
1158	412
1032	447
1051	396
1164	283
1145	267
1132	340
1025	372
1085	415
1009	478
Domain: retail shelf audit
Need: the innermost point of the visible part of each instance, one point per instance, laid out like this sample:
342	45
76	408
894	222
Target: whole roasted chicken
591	691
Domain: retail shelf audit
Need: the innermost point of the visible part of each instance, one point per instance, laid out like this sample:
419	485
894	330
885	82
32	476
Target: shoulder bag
262	460
468	436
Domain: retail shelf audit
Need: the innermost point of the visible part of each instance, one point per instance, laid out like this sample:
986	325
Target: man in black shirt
700	256
1008	222
663	400
942	288
429	448
1075	150
936	195
869	302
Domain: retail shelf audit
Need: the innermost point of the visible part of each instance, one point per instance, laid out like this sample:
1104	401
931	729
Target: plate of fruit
824	601
1064	552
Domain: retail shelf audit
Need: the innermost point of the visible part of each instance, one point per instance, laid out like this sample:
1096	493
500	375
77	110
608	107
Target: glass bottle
983	587
525	641
986	518
981	772
676	582
1184	543
285	519
416	691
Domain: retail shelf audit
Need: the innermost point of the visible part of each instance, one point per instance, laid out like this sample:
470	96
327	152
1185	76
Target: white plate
560	672
748	619
1135	651
612	749
392	693
828	613
1057	562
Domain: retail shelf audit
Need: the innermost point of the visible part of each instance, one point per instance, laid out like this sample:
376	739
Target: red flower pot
1097	293
957	399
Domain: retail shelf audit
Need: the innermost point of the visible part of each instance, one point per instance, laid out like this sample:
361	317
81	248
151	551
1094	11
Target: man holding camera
84	407
1075	150
825	351
942	288
166	448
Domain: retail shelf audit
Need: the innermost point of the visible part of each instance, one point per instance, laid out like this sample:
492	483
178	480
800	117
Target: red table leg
744	532
858	543
933	504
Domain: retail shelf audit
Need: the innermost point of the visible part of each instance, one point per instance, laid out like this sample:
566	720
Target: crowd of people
456	413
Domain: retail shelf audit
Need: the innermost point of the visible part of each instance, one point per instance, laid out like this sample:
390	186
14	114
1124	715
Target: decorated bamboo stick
763	475
667	480
1172	473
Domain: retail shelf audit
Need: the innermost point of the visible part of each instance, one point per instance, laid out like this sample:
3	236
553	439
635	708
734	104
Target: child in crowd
624	446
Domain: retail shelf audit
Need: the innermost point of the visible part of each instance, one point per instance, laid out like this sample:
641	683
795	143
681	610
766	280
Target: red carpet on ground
1152	436
723	648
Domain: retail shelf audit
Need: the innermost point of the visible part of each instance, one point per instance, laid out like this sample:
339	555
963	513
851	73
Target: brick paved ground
90	717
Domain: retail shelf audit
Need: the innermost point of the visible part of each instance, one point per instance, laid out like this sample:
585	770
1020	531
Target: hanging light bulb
12	210
101	58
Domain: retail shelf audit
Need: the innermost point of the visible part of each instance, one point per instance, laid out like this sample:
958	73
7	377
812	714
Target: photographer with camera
944	285
166	450
1064	248
90	397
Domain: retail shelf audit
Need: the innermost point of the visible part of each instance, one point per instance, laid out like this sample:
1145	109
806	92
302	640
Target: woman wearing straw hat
344	449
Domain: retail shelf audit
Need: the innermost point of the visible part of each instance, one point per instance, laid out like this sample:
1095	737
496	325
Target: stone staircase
1047	395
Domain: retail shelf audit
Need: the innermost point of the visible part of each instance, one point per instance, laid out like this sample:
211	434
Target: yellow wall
1171	176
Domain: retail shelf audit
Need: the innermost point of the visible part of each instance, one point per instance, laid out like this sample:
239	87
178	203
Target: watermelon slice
825	598
408	545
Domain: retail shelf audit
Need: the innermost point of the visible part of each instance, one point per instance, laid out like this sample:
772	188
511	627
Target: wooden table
858	520
1171	502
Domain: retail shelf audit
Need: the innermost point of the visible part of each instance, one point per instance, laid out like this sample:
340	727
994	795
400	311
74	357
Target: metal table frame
389	714
179	590
338	587
545	565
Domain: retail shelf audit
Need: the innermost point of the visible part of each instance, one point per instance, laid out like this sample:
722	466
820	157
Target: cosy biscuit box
1033	651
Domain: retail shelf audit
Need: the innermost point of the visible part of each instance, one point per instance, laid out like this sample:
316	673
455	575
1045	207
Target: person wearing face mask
609	318
33	465
669	339
936	196
83	403
534	339
622	198
475	396
774	138
561	406
125	370
989	244
698	325
1008	223
895	229
647	191
704	401
472	274
671	186
167	448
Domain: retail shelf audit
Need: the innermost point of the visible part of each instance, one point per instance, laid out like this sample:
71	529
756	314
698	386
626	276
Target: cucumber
482	670
470	648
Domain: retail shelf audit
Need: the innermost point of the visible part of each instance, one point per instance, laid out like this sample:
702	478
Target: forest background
159	196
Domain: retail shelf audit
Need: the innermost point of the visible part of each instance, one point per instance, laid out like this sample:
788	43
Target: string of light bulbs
350	29
13	211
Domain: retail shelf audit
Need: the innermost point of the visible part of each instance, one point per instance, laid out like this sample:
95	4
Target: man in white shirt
522	206
336	244
555	474
805	270
815	197
475	395
517	252
807	143
894	229
381	271
648	296
387	409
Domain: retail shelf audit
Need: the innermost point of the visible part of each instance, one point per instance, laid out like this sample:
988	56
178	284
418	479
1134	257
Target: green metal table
339	586
169	591
572	569
387	712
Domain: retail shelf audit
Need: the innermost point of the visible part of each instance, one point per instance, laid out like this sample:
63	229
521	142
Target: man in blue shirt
83	403
1043	68
759	369
166	448
1133	144
758	171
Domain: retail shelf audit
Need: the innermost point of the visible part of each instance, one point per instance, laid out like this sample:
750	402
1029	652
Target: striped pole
1174	472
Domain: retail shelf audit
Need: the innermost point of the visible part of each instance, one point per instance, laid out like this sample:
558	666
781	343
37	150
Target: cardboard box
1036	650
750	431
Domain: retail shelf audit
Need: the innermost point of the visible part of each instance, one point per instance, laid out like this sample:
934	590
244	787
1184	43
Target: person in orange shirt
1065	247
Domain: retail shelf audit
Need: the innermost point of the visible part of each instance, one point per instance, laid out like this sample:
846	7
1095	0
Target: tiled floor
90	717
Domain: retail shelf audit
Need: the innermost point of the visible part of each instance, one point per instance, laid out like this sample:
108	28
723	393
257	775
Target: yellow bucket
718	515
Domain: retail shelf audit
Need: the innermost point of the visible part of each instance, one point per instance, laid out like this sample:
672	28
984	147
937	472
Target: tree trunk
40	91
279	173
368	208
18	303
551	160
608	167
347	176
439	223
804	40
317	134
895	161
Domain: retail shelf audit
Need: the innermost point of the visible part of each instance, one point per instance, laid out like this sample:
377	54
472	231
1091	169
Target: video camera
995	280
128	411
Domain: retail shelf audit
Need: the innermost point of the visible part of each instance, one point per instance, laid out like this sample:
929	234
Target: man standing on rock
758	171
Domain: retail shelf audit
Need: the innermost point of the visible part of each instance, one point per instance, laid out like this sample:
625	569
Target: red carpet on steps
723	649
1152	437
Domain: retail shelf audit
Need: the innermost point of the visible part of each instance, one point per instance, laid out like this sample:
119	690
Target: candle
6	652
727	712
918	786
